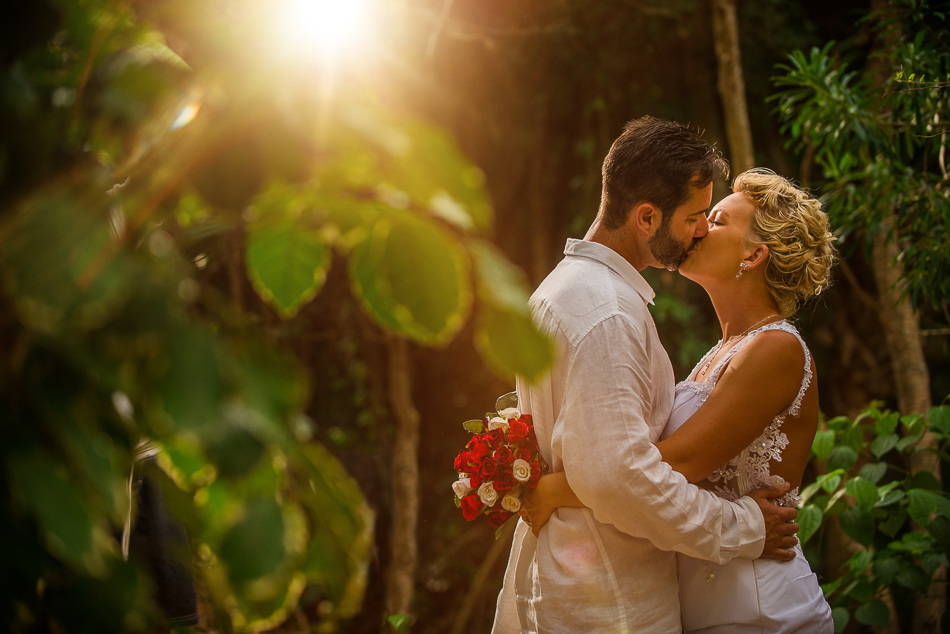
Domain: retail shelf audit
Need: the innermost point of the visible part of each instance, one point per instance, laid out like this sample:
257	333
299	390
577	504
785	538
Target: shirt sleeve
603	438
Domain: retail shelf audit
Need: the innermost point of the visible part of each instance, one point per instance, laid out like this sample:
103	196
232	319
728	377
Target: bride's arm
759	383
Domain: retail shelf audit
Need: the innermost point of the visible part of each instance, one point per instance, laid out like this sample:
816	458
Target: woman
768	248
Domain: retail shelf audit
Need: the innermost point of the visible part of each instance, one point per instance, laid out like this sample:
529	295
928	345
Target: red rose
503	456
465	462
503	481
524	454
497	517
475	480
480	448
535	474
487	469
527	420
517	431
496	438
471	506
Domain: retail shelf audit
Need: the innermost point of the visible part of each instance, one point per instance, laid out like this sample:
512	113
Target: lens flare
322	27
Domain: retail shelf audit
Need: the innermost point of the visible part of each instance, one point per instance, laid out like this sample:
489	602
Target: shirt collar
612	260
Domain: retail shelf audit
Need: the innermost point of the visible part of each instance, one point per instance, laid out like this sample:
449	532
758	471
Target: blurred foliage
126	169
866	486
881	149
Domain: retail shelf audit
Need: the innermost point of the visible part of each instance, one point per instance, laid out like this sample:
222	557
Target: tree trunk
902	332
400	577
732	85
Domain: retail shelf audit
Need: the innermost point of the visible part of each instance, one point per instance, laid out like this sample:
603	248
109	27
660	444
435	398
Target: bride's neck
739	309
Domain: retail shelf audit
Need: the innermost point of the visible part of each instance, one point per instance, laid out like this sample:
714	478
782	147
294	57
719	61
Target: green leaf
863	491
830	481
476	426
842	458
65	522
506	401
858	525
886	425
885	570
908	441
511	345
883	444
923	503
940	529
400	622
892	523
287	263
498	282
873	613
926	480
840	616
939	418
193	387
412	276
823	443
913	577
914	423
873	471
254	546
424	162
809	521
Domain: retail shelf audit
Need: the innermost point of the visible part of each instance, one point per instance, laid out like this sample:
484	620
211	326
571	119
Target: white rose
462	487
497	423
487	494
509	413
521	470
512	501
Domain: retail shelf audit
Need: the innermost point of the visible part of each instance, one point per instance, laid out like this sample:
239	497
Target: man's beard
666	250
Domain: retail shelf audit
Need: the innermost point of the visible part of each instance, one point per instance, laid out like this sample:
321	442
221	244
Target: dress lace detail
751	468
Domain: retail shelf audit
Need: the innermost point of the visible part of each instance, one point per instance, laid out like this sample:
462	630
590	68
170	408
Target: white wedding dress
745	595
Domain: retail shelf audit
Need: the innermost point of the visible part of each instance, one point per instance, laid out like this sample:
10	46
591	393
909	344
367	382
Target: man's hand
779	528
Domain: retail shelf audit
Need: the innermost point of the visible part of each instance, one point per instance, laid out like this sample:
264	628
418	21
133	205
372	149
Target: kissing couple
669	508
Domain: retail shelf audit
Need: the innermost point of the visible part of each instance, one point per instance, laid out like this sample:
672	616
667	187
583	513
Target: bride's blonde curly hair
790	222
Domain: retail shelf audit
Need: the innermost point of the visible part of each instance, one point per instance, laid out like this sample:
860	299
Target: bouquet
498	465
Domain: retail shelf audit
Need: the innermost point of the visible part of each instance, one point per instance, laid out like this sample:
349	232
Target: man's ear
758	257
646	217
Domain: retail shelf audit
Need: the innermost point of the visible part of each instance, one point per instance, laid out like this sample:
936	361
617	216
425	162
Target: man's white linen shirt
610	567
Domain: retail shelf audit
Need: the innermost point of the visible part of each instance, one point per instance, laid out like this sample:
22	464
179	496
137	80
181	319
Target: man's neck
622	242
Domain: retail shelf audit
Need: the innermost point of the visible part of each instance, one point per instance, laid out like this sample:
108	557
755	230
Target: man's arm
603	438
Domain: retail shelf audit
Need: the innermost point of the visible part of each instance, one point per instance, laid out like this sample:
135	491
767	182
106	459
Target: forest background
311	265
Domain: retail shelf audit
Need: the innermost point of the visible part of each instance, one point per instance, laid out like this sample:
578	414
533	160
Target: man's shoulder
580	294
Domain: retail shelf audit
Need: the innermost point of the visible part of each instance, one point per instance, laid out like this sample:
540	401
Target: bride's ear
758	257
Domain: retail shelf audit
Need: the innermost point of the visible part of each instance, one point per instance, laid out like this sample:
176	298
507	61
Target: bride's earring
743	267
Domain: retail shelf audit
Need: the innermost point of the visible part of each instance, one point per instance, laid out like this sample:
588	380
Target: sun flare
322	27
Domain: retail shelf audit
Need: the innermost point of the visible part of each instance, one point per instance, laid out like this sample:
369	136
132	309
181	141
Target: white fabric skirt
746	595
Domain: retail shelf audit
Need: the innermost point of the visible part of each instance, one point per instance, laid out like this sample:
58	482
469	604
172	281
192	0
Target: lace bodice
751	468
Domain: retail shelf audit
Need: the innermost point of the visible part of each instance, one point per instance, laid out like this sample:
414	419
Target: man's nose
702	228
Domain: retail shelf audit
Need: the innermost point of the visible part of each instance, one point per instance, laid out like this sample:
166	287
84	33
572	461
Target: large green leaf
809	520
863	491
858	525
873	613
193	386
823	443
422	162
287	263
923	503
412	276
59	509
505	335
511	345
254	546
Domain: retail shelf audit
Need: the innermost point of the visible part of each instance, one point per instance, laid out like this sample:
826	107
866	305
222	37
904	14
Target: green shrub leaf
863	491
858	525
842	458
823	443
873	613
287	263
809	520
873	471
883	444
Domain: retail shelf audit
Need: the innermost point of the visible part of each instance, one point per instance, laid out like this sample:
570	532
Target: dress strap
784	326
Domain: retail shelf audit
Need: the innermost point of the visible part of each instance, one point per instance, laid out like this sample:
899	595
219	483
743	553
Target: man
611	567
